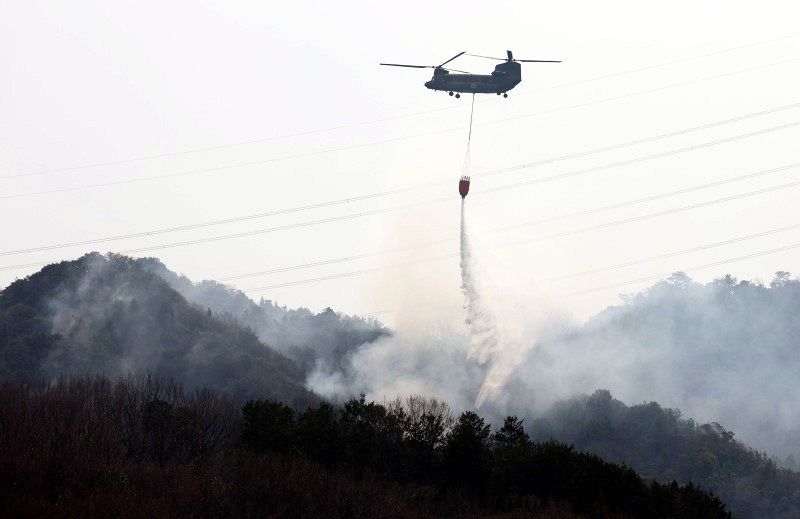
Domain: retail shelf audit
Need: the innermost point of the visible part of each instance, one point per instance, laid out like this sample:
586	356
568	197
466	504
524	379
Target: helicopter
503	78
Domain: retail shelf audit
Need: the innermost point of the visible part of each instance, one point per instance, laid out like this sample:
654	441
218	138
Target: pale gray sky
83	83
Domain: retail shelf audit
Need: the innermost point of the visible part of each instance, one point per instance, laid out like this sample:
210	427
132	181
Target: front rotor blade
454	57
538	60
409	66
487	57
454	70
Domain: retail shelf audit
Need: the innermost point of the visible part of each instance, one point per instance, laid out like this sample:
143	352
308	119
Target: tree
781	279
512	458
268	426
373	436
679	280
511	435
466	453
319	434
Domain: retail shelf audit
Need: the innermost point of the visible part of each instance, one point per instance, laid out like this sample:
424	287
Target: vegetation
725	351
420	443
659	444
141	446
113	315
312	340
110	315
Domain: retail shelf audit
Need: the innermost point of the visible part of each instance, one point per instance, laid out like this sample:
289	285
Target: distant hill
724	351
113	315
659	444
314	341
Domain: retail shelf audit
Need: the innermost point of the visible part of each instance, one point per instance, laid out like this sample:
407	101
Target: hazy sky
85	83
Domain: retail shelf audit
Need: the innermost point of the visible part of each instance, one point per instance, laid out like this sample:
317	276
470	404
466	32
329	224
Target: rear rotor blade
409	66
454	57
514	59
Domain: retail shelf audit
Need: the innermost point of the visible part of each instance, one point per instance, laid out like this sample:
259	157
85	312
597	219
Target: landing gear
505	95
458	95
498	93
450	93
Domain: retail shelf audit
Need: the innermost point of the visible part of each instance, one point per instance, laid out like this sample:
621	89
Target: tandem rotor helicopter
503	78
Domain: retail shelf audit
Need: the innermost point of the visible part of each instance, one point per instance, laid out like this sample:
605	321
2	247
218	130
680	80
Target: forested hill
314	341
660	444
112	315
724	351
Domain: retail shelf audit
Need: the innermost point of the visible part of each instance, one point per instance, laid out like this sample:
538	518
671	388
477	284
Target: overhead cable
362	145
396	191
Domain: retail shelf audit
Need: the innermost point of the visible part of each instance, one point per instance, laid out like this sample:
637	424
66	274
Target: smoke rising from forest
723	351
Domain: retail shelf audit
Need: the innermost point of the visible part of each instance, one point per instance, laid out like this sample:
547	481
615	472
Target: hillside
110	315
321	341
723	351
659	444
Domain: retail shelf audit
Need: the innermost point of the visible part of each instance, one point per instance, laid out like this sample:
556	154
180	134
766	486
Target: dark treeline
659	444
141	446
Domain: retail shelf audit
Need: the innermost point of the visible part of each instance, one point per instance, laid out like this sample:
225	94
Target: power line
243	164
644	140
580	213
644	158
572	294
561	234
384	119
349	274
667	212
450	256
551	236
658	196
673	62
298	225
396	191
647	91
223	146
332	261
332	150
204	224
698	267
678	253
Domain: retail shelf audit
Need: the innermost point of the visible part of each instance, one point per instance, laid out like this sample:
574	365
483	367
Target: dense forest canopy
141	446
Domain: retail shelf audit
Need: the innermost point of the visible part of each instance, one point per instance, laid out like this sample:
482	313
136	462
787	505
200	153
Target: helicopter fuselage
504	77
